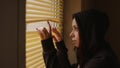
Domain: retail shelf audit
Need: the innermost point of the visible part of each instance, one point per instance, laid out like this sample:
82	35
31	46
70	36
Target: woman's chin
77	46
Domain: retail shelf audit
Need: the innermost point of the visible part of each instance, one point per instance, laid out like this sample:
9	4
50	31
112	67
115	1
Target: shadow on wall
111	7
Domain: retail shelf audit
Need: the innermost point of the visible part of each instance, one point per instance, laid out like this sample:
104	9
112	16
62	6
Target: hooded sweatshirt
92	25
95	51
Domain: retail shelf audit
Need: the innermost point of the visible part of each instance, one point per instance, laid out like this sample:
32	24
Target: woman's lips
73	42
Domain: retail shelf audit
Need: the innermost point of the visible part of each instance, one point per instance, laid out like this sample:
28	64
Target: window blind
38	12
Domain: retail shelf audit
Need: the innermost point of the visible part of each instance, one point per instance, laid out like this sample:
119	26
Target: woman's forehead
74	23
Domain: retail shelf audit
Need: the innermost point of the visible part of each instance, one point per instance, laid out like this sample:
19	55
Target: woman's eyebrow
75	26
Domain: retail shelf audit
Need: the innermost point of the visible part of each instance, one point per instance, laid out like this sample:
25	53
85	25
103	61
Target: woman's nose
71	34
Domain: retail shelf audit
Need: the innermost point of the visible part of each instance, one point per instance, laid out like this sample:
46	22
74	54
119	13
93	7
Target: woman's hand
56	35
44	33
53	32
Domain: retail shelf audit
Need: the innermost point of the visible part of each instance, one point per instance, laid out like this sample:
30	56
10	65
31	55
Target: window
37	14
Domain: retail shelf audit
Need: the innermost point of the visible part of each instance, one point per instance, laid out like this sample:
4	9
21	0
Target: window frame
21	34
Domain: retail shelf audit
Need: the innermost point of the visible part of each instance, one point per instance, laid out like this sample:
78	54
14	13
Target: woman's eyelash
75	27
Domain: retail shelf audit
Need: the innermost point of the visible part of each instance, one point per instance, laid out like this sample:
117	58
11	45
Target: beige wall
87	4
70	7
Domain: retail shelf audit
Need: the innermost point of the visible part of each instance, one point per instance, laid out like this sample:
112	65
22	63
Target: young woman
88	30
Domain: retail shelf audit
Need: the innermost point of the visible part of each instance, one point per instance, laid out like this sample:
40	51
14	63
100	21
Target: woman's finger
40	33
56	34
54	38
54	30
49	27
47	35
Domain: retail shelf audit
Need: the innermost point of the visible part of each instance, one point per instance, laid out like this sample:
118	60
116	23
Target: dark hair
93	25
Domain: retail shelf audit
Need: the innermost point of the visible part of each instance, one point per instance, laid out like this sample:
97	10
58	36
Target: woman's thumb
54	38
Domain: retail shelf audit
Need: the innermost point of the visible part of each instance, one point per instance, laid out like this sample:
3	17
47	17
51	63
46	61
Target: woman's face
75	34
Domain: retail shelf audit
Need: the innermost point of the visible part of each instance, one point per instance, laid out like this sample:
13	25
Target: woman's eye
76	28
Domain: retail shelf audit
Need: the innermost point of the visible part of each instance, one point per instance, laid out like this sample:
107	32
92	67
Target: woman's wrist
48	45
61	46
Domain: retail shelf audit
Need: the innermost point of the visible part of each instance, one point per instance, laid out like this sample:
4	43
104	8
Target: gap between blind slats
32	49
33	53
33	43
36	65
29	36
45	7
43	19
38	9
33	40
31	33
34	61
33	57
46	10
44	14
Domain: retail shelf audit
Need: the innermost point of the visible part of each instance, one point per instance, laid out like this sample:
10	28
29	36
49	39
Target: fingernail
44	28
36	28
54	28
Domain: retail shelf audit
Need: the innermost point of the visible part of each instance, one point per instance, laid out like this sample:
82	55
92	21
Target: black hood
93	25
